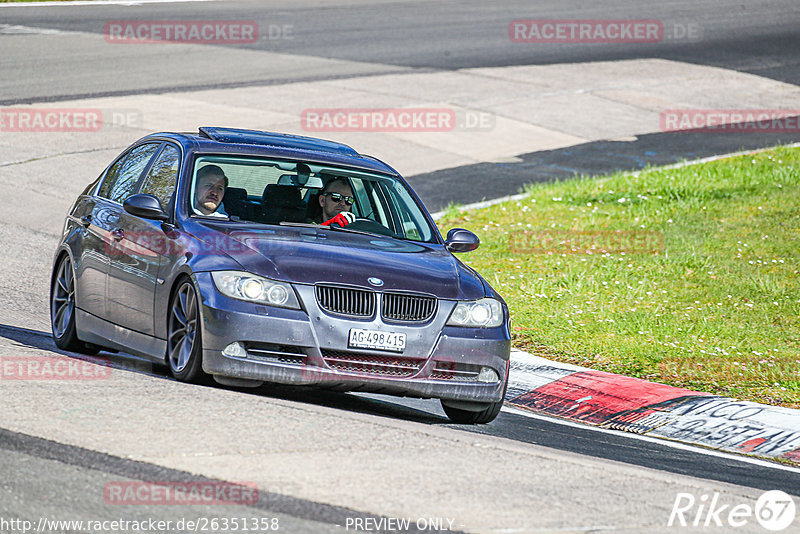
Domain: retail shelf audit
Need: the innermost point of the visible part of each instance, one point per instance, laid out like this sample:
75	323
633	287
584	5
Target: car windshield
280	192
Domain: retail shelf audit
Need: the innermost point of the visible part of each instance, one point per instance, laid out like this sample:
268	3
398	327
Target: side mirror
145	206
460	240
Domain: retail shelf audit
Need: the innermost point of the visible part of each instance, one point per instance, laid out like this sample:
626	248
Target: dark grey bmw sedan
259	257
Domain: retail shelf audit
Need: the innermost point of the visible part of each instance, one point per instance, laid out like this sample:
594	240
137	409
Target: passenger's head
336	197
209	189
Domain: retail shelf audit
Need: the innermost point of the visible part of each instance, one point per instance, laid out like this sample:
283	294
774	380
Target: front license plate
376	339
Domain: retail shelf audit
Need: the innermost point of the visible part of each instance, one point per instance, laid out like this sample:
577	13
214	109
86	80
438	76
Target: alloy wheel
182	333
63	298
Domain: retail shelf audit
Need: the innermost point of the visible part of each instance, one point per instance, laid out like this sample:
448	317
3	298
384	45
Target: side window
111	177
160	181
408	221
119	185
410	229
367	195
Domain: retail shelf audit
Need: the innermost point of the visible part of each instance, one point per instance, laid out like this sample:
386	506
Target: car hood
311	255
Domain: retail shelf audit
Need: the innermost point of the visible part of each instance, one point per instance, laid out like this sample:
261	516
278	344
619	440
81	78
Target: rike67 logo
774	511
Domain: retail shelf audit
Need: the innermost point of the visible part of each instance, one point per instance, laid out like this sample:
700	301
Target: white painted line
14	29
649	439
571	529
97	3
482	204
487	203
522	358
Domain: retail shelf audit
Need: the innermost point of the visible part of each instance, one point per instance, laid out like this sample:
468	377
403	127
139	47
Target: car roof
279	145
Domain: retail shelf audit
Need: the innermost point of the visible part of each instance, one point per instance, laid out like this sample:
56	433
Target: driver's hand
342	219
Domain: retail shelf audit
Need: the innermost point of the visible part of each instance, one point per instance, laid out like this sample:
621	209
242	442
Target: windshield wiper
297	224
338	228
332	227
386	233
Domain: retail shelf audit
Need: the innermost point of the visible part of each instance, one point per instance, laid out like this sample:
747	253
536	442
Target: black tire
184	340
467	417
62	310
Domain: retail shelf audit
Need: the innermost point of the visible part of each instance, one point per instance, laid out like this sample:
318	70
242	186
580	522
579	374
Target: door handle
117	234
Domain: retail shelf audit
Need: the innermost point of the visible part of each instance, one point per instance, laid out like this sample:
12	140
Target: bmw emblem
375	281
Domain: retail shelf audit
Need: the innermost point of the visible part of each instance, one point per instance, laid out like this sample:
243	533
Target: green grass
699	288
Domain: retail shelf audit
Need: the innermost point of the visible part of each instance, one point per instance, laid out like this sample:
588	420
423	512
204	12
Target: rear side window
160	181
122	177
111	177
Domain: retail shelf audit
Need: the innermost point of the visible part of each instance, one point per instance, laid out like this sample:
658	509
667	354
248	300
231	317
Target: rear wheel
184	341
62	310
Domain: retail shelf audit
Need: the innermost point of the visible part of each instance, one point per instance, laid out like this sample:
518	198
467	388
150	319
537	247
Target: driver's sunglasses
338	197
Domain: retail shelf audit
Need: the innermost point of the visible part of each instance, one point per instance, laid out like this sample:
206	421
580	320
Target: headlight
246	286
484	313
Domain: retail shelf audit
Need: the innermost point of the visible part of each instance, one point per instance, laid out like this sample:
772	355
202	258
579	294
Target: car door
91	259
133	271
111	195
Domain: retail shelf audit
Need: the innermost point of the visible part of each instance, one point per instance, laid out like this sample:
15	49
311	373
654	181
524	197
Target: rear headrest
313	209
281	196
235	194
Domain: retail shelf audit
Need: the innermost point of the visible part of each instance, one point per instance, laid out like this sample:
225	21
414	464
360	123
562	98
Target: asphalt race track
324	461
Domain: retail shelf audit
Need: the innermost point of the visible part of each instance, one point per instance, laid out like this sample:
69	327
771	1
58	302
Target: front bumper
310	348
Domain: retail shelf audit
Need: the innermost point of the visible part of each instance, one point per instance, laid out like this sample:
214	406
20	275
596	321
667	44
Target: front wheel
184	340
469	417
62	310
477	414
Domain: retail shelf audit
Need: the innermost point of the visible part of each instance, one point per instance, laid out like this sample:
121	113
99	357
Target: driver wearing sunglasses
336	199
